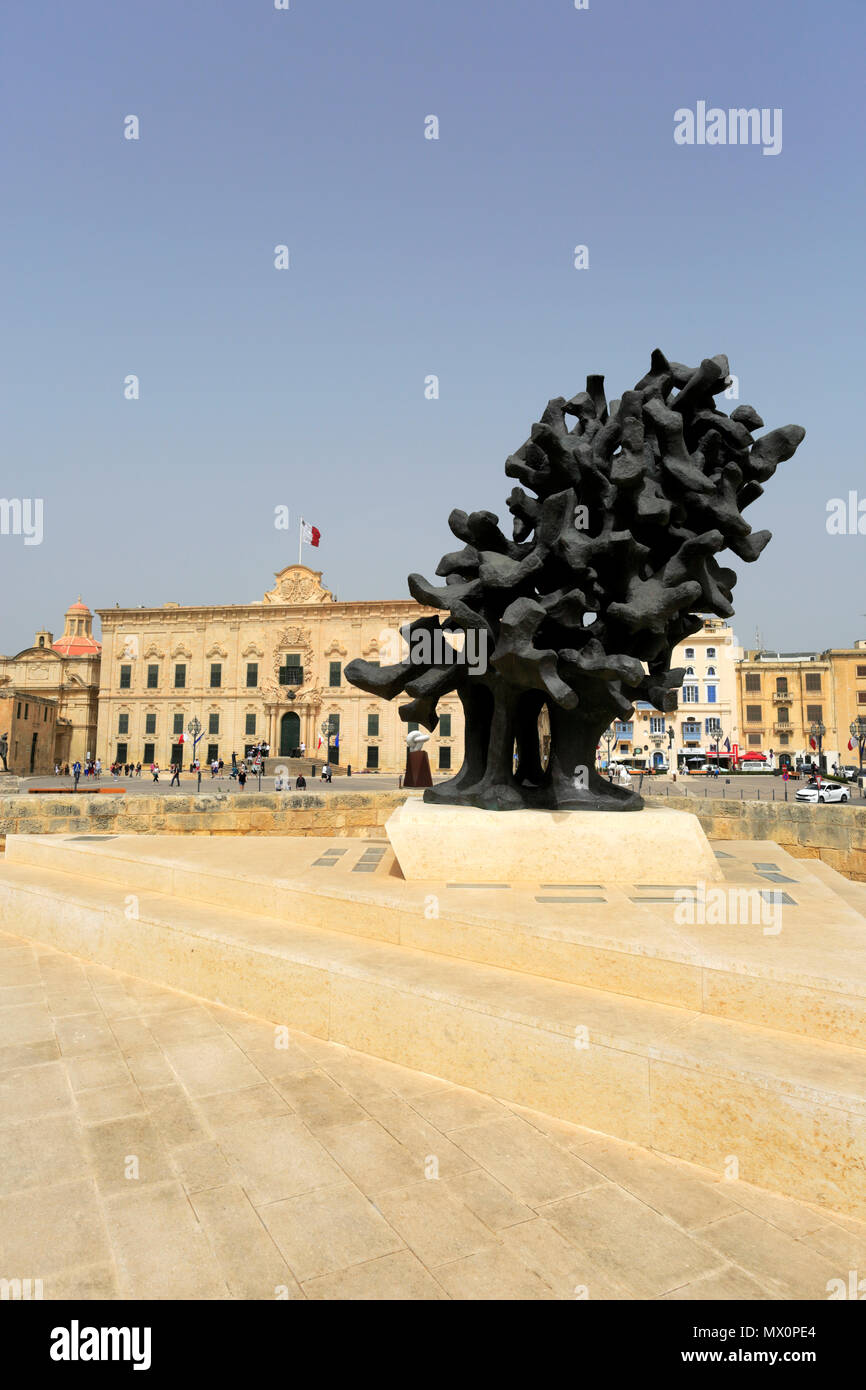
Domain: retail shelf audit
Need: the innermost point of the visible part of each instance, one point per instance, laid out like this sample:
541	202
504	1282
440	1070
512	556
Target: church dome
78	639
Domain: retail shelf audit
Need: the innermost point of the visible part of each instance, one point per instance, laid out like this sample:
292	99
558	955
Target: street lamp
716	740
264	750
194	728
325	728
609	737
818	730
857	729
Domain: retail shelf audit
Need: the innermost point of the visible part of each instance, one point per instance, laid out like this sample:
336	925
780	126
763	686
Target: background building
29	722
271	670
65	676
707	705
782	694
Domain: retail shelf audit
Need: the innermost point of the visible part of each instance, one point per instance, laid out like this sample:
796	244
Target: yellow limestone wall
236	813
835	834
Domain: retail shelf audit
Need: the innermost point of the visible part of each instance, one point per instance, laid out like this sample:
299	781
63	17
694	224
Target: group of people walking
91	768
254	763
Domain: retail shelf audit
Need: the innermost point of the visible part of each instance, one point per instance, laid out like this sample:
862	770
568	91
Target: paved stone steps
791	1111
849	889
804	974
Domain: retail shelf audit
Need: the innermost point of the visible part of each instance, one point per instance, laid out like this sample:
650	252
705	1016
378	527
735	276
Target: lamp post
264	749
194	728
325	727
672	733
857	729
609	737
818	730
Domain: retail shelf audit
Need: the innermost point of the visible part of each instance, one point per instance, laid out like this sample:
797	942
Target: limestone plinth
464	844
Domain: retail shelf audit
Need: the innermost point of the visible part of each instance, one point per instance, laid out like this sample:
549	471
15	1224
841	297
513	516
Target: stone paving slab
152	1147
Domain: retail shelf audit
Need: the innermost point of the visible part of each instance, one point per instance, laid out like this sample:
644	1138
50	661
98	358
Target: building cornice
270	610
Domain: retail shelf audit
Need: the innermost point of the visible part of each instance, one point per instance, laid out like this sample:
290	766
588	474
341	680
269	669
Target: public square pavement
154	1147
744	787
145	785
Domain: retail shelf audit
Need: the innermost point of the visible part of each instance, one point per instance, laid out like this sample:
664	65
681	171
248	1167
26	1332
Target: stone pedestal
417	769
464	844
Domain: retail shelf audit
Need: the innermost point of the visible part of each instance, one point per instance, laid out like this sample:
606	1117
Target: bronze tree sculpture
611	561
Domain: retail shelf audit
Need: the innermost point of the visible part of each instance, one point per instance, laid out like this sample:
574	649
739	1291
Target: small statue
4	749
417	772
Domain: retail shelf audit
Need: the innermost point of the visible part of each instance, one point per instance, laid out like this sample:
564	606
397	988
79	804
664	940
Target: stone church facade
55	684
272	670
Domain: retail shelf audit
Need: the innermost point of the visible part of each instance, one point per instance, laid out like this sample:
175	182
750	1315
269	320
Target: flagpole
300	539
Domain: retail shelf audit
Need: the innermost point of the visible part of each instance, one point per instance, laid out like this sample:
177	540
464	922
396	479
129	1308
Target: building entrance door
290	733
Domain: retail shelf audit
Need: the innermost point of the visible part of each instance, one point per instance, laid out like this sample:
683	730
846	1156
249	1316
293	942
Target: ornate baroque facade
271	670
64	678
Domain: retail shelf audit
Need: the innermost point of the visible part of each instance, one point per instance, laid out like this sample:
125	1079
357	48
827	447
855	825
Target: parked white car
828	791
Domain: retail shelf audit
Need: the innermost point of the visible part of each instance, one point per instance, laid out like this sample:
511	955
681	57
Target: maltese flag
310	535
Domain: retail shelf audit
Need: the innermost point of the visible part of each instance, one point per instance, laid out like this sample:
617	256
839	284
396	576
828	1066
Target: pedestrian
76	773
301	783
304	752
154	767
221	767
175	775
56	769
234	760
214	769
242	776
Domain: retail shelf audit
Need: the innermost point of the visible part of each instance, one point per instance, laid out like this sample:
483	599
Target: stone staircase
733	1048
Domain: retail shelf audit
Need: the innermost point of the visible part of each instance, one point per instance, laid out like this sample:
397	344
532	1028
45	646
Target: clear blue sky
408	257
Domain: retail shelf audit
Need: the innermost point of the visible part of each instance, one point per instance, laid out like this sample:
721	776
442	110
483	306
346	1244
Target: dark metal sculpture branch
611	561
